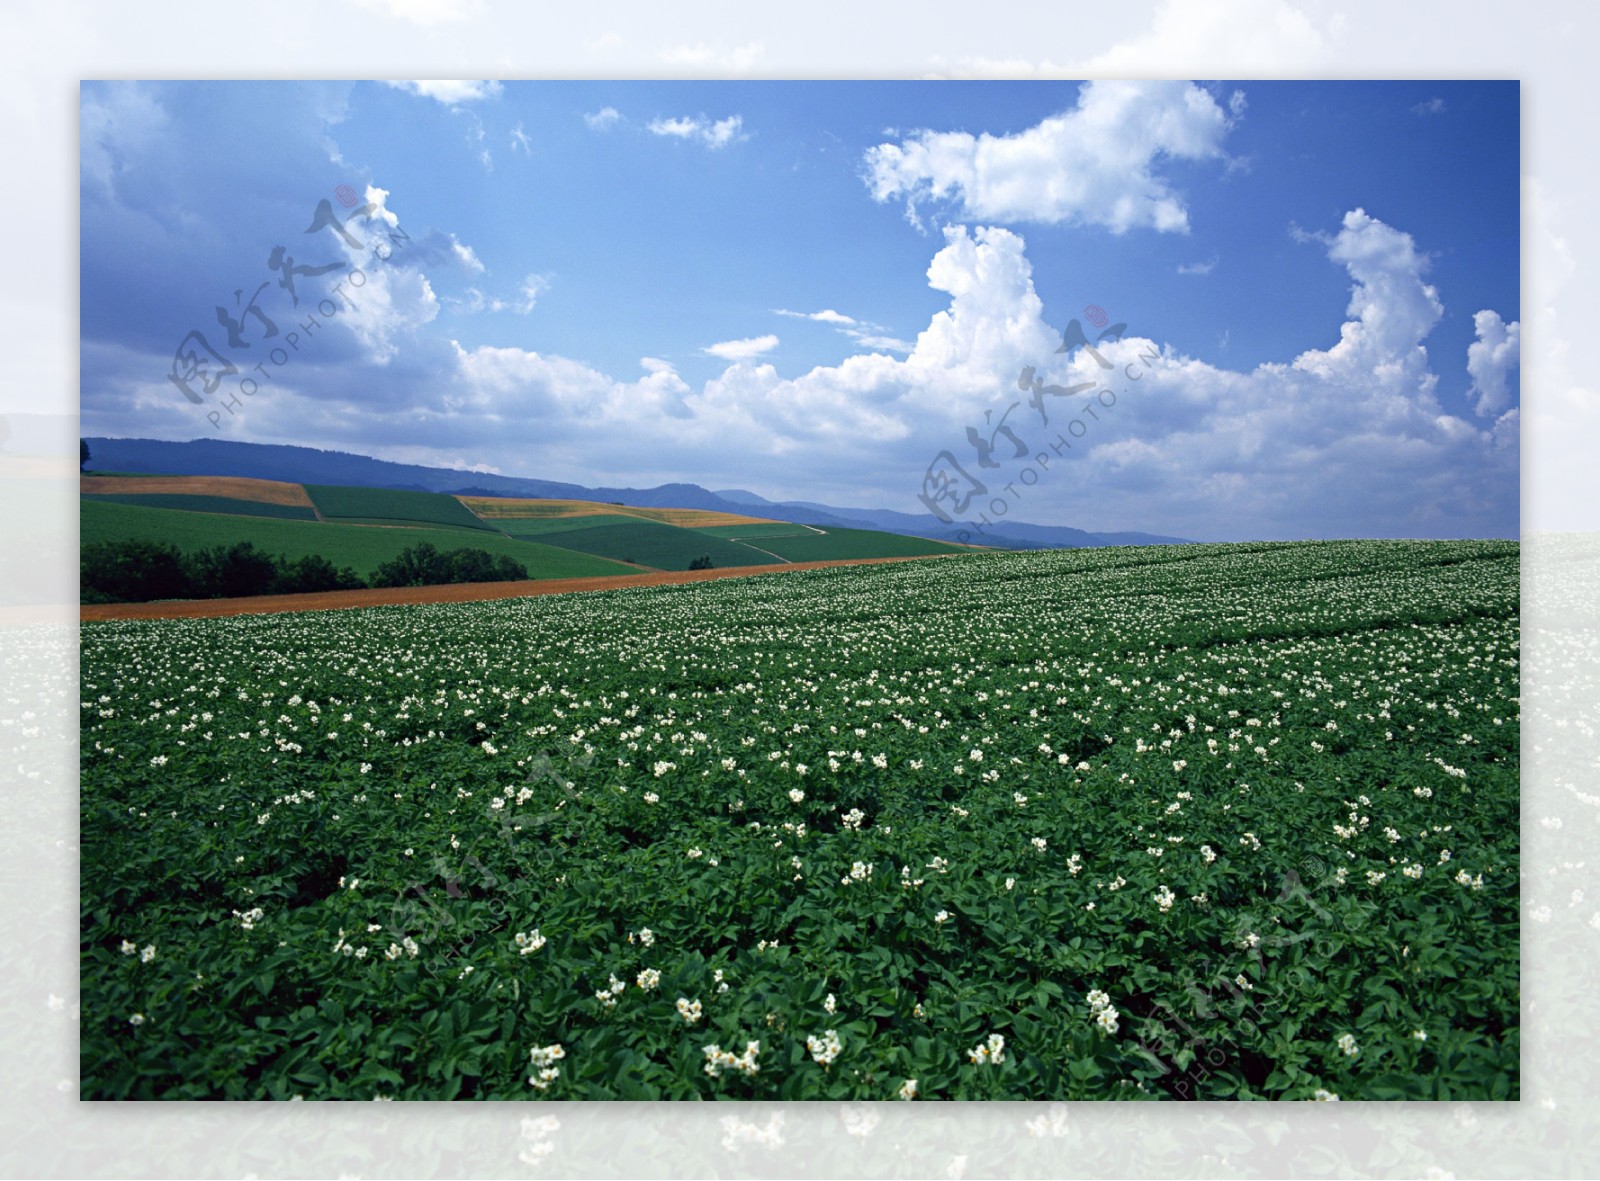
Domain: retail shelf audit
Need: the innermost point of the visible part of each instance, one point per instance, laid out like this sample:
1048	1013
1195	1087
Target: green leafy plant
1190	822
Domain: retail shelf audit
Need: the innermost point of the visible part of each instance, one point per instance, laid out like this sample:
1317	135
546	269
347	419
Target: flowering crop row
1195	822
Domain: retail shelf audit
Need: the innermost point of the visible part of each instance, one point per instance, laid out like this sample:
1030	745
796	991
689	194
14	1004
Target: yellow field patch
237	487
492	508
694	518
496	508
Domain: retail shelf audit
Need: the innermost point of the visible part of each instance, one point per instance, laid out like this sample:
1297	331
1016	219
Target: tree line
145	571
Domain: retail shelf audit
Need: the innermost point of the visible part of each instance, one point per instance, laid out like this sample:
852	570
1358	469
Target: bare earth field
467	592
236	487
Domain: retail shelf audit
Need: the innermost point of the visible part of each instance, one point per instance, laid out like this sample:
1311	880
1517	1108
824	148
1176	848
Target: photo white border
46	1132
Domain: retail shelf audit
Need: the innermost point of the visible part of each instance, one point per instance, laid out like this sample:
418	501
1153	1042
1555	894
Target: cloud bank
1097	164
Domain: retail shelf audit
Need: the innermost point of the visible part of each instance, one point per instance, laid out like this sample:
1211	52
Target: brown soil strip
237	487
470	592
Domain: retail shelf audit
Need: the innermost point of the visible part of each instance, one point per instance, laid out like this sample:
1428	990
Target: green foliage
313	574
133	572
700	563
144	571
1183	822
423	565
233	571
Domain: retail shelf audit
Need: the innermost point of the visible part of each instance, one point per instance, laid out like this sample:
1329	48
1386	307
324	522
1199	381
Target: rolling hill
365	527
361	547
306	465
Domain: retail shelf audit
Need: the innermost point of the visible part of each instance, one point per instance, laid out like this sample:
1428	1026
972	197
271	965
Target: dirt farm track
466	592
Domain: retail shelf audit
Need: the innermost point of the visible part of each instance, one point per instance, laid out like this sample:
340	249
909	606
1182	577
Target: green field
391	522
1187	822
757	530
668	547
542	526
390	505
362	547
854	543
206	504
663	547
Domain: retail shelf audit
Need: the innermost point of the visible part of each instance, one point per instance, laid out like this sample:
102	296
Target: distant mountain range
308	465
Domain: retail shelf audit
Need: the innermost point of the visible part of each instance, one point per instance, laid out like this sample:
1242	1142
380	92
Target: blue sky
812	290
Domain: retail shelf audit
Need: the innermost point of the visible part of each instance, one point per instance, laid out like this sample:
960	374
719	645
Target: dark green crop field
663	547
1201	821
757	530
853	543
206	504
390	506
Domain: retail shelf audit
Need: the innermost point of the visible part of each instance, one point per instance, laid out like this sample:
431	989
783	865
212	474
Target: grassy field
661	547
853	543
538	527
759	529
667	547
1187	822
391	523
391	506
209	504
361	547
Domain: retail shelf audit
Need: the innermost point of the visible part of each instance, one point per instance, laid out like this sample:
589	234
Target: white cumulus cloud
527	298
825	316
603	118
466	255
1391	308
743	350
1096	164
1493	361
863	332
714	135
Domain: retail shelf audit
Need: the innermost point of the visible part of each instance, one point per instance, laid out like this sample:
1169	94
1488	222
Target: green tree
132	572
315	573
83	453
231	572
417	565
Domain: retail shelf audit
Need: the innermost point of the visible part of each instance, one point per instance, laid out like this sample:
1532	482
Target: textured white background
1554	1131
